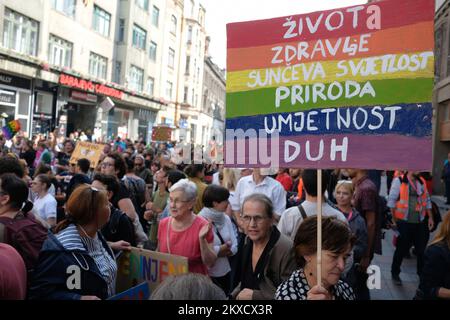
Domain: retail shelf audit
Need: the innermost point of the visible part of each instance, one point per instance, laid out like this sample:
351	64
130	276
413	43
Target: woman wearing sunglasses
76	262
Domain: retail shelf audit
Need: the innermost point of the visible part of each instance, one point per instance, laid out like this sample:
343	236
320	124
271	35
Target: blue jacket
52	277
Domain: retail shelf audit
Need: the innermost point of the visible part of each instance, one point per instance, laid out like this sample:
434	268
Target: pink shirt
185	243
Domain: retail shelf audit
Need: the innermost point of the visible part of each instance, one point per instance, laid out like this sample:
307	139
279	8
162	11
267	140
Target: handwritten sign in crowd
141	265
87	150
349	87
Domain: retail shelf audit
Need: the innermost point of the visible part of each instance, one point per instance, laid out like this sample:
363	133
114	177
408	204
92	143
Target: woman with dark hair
44	203
267	255
119	230
78	246
435	277
18	227
215	200
196	174
337	243
115	165
157	205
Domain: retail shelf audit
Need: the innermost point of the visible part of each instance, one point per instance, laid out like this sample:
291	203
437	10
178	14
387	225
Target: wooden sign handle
319	227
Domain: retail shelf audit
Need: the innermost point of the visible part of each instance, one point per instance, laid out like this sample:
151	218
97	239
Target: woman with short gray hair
185	234
267	255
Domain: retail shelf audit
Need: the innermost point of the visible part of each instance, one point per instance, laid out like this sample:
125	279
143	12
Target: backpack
137	196
384	214
26	235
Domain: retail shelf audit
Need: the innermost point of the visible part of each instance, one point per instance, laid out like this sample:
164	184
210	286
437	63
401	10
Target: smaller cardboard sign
153	267
139	292
162	133
87	150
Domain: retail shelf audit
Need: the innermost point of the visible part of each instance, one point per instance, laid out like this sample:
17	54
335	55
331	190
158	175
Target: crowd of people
248	233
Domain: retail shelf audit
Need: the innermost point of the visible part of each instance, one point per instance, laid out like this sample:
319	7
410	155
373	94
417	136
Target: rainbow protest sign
350	87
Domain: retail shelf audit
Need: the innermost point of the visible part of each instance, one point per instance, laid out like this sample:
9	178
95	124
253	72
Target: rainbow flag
11	128
342	88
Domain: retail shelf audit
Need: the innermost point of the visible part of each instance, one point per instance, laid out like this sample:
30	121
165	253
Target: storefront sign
87	85
13	81
83	96
7	97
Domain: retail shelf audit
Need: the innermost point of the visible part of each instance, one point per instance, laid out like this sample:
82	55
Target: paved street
390	291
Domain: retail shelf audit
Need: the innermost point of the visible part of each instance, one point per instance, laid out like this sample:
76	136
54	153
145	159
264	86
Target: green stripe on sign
387	92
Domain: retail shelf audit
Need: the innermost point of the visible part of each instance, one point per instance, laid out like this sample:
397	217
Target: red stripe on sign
316	25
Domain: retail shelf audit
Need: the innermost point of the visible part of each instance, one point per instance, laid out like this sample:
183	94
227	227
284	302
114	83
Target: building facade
441	95
188	118
111	67
213	101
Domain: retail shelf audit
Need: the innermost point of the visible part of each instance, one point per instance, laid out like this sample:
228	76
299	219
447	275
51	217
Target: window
20	33
60	52
169	88
139	37
438	35
189	35
173	25
152	51
150	85
188	60
155	16
136	78
185	96
117	71
171	62
65	6
121	35
97	66
143	4
101	21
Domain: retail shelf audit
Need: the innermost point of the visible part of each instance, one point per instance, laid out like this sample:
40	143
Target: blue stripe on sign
405	119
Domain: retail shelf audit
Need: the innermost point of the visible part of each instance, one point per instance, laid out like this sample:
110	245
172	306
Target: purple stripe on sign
383	152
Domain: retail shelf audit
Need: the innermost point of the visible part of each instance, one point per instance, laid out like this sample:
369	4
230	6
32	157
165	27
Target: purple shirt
365	199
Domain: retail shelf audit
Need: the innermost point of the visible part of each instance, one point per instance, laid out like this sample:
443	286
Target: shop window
24	103
44	103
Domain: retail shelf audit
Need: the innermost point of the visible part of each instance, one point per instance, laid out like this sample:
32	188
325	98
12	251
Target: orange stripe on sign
413	38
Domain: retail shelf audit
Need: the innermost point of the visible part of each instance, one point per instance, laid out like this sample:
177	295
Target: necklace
85	233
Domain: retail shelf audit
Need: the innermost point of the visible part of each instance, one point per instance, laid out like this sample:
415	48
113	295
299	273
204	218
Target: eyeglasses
258	219
177	201
106	164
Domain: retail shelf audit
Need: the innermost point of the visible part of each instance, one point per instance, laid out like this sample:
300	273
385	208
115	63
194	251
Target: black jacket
52	274
436	271
119	227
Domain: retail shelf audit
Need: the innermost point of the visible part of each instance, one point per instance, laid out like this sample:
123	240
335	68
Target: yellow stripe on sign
394	66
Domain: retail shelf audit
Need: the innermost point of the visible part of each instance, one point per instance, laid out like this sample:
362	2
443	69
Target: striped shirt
71	240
